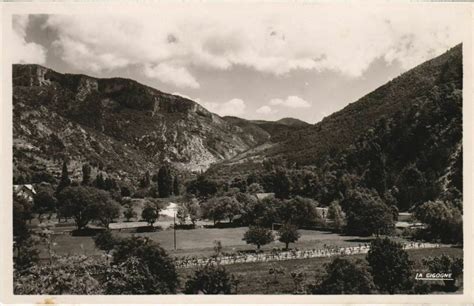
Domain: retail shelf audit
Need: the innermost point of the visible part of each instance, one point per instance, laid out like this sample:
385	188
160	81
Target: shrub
129	213
446	264
345	276
105	241
210	279
391	268
65	275
151	272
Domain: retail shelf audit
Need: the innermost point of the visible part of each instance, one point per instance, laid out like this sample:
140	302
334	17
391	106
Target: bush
345	276
105	241
151	272
129	213
446	264
65	275
210	279
391	268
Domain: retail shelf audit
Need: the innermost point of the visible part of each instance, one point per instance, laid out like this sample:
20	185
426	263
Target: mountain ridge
95	117
312	144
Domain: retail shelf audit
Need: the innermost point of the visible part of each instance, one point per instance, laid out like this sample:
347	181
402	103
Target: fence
277	255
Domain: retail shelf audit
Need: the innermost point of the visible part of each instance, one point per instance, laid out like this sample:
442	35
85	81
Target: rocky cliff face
124	126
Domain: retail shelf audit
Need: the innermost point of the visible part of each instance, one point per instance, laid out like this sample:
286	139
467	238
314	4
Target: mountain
292	122
117	125
312	144
411	125
268	130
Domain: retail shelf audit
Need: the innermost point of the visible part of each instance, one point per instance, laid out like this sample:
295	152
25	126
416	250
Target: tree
105	241
125	191
25	253
65	275
367	214
105	208
255	188
412	187
182	214
281	183
150	214
299	210
443	219
336	215
230	206
192	207
143	267
263	212
99	181
64	181
110	184
446	264
288	233
176	186
220	208
202	187
86	174
44	202
258	236
145	181
129	213
391	267
210	279
79	203
345	276
165	182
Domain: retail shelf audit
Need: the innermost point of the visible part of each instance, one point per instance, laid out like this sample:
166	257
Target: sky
256	62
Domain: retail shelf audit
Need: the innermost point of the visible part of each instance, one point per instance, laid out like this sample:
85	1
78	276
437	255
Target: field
200	241
255	277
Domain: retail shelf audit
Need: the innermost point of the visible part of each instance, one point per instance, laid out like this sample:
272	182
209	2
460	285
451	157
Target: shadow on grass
148	229
360	240
224	225
85	232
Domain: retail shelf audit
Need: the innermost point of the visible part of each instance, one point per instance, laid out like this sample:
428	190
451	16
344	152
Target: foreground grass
255	277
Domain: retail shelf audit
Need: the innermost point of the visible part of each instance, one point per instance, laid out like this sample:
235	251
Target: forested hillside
401	144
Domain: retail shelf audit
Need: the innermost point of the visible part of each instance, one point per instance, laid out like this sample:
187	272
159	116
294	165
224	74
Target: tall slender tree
165	182
176	186
65	180
86	174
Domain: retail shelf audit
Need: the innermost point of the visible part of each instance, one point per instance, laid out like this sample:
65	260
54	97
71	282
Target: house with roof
263	195
26	191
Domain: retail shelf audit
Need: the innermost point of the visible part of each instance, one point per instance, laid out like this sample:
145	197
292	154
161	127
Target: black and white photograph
204	148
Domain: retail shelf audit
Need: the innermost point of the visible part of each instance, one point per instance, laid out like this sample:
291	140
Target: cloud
22	51
169	74
234	107
291	102
266	39
265	110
